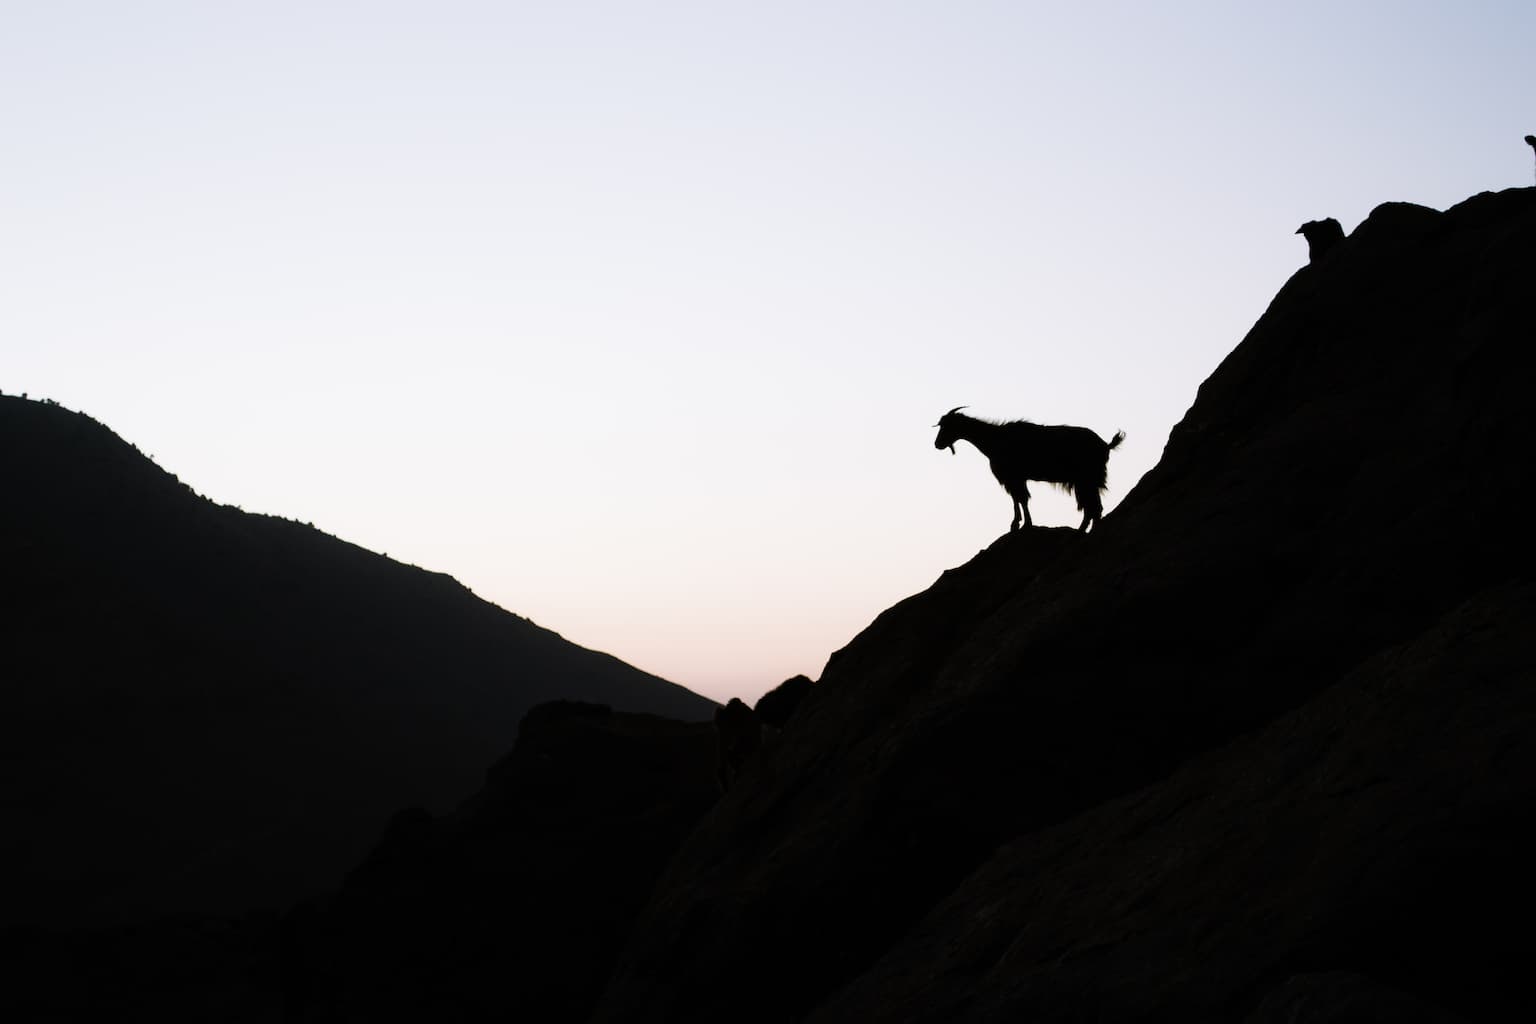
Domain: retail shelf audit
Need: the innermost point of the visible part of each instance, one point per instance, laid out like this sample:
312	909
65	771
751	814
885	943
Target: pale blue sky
634	317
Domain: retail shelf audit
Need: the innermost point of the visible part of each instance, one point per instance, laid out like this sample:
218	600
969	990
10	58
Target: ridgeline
1261	747
209	711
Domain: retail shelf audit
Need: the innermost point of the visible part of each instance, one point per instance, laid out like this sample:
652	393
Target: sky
636	317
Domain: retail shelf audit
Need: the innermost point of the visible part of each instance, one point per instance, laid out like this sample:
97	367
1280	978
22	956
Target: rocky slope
518	903
206	710
1260	746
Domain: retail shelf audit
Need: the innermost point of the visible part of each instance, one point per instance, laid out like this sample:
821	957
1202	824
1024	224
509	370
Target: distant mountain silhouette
207	710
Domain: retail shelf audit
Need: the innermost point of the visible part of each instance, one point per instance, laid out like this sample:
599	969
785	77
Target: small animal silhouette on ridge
1321	236
775	707
1074	458
740	734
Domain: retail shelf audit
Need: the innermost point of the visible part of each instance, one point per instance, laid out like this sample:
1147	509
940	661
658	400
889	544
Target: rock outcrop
1272	721
517	903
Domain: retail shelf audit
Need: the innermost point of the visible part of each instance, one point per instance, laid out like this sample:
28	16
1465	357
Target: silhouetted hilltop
1260	746
208	710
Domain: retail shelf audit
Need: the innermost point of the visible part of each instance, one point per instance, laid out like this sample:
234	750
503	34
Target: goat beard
951	449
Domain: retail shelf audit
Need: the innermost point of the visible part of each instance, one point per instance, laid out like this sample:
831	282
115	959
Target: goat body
1074	458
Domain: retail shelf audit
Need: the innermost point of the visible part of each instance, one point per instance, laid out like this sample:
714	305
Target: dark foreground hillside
1263	746
518	903
206	710
514	905
1260	748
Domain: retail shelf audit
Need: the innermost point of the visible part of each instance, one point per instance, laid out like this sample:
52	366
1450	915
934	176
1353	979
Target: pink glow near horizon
635	317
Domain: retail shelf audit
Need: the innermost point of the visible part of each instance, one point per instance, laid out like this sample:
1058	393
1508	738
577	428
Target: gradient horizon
636	320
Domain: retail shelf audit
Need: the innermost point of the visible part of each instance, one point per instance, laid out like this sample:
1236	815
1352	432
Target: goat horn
956	409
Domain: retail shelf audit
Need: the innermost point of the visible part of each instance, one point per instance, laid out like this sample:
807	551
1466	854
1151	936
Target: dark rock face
173	971
210	711
1343	998
1268	725
739	733
516	905
1382	829
775	707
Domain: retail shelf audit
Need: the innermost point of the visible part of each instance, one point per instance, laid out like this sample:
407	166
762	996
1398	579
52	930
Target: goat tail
1100	484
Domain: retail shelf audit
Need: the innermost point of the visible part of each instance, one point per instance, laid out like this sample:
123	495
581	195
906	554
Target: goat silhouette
1321	235
1073	458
